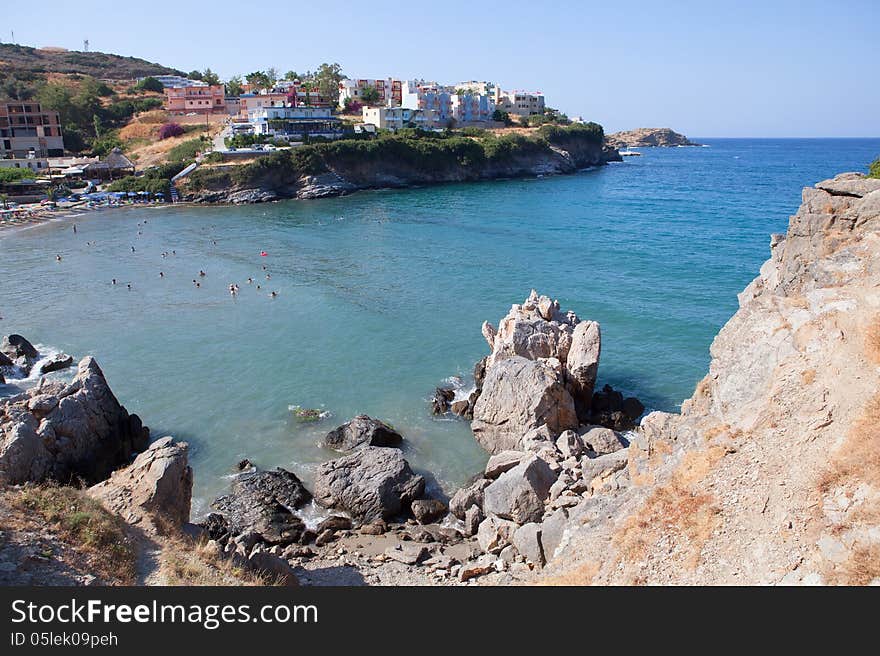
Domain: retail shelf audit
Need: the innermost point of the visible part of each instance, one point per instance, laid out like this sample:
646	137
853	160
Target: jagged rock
519	494
372	483
519	395
601	440
527	540
377	527
158	482
480	372
612	410
4	360
57	363
263	502
216	526
502	462
60	430
472	518
16	346
460	407
469	495
494	534
569	444
325	537
632	407
427	511
273	567
333	523
360	432
552	532
603	465
582	365
443	396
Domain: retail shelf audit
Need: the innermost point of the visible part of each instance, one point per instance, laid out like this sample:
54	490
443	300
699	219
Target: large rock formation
362	431
518	396
60	431
769	475
541	371
642	137
158	483
372	483
262	503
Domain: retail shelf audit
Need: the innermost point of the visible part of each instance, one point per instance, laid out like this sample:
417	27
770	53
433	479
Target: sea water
380	295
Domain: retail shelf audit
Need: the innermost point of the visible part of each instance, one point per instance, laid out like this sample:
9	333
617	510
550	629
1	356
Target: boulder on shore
262	502
158	482
63	430
518	495
360	432
518	396
372	483
16	346
57	363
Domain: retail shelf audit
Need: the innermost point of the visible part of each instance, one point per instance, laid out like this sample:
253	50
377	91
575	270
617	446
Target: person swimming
57	258
250	281
161	275
132	249
268	276
202	274
273	294
129	286
114	281
74	228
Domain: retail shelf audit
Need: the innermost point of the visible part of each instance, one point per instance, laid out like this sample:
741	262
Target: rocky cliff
771	473
647	137
344	167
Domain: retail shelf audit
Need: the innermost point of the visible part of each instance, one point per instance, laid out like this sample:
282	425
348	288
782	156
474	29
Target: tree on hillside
195	75
370	95
290	76
327	79
502	116
258	79
233	86
150	84
210	77
272	74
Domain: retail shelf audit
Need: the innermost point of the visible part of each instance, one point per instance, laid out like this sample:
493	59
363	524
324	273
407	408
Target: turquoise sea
381	294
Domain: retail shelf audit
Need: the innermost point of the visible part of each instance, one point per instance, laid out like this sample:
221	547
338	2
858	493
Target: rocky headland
346	166
648	137
769	475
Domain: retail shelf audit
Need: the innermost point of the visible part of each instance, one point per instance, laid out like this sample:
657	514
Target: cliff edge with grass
409	157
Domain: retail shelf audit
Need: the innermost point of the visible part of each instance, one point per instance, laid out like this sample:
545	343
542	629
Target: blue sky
745	68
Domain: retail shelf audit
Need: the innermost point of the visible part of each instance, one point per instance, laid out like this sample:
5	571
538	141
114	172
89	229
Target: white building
175	81
418	94
394	118
519	103
298	121
389	91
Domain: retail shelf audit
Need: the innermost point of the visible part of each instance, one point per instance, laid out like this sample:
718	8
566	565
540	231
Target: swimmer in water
250	281
264	267
114	281
258	287
202	274
268	276
74	228
198	284
161	275
57	258
174	252
129	286
273	294
132	249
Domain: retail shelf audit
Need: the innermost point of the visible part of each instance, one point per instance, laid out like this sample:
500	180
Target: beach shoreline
34	217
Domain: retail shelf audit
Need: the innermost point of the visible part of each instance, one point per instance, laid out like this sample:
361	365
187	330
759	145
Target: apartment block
394	118
200	99
389	90
29	132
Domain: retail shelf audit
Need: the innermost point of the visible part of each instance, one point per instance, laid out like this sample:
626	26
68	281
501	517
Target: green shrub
186	150
12	175
874	169
150	84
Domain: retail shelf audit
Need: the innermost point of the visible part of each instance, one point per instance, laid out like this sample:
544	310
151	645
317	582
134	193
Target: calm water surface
381	294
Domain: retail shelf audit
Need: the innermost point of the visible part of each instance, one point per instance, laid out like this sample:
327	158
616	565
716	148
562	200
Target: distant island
645	137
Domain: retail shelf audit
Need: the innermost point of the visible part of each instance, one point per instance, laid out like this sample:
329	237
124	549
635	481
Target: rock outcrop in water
648	137
61	431
360	432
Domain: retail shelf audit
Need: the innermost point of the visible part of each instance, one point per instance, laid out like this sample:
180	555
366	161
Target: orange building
201	99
